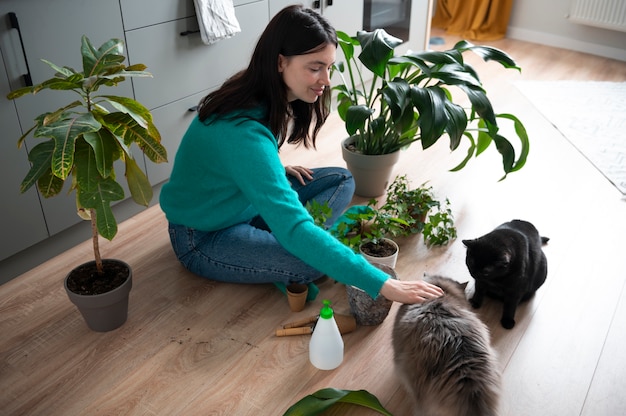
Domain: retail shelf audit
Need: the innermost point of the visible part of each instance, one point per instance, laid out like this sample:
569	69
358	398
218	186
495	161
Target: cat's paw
507	323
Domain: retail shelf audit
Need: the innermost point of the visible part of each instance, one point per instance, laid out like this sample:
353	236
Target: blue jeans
248	252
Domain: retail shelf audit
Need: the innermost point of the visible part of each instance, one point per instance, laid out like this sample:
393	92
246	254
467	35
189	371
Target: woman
235	213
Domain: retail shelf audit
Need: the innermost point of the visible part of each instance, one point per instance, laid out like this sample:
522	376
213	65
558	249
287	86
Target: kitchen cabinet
21	221
50	29
161	34
184	68
344	15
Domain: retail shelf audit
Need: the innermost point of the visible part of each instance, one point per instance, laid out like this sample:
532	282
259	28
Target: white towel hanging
216	19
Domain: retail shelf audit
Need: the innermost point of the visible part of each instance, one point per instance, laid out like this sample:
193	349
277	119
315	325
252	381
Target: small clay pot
296	296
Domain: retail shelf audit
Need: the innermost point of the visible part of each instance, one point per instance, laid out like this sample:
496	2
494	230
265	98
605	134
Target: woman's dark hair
295	30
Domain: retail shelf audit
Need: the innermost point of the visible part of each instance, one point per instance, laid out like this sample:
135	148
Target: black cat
508	264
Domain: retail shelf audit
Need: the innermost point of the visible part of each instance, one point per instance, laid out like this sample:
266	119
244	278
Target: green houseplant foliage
84	138
322	400
421	210
409	99
363	224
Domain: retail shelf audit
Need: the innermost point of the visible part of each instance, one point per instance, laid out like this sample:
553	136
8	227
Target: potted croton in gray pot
80	142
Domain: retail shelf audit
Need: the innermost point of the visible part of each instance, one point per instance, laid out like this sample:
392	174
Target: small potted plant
367	230
389	102
82	140
423	213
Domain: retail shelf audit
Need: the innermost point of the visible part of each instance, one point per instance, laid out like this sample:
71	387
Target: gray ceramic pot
107	311
371	173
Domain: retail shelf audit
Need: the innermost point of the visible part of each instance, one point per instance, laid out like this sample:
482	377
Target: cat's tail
482	404
480	395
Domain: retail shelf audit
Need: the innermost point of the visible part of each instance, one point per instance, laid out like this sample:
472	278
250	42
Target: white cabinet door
344	15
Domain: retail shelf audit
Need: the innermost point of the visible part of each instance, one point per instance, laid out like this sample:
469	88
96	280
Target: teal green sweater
228	171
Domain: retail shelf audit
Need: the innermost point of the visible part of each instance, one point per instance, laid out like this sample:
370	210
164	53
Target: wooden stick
303	330
345	323
302	322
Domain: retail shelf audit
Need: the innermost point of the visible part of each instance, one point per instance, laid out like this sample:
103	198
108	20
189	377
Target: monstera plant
388	102
81	141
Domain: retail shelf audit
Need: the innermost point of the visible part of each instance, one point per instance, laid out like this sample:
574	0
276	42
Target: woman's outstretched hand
299	172
413	291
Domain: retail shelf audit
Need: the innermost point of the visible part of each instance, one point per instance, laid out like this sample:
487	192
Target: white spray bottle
326	345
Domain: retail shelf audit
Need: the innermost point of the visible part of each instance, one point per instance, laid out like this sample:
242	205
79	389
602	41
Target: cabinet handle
15	25
192	109
329	2
189	32
317	4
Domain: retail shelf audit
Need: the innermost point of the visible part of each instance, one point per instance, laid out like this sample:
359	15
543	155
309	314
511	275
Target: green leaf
96	192
109	55
149	140
64	71
435	57
324	399
133	108
523	136
396	93
432	120
488	53
64	132
455	74
470	153
507	151
480	103
347	44
484	137
356	115
457	123
40	158
377	48
41	171
49	185
105	149
140	188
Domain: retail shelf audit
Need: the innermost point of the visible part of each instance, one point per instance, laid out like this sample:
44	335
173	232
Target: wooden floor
196	347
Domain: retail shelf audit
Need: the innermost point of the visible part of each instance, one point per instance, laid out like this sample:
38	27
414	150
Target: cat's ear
468	243
463	285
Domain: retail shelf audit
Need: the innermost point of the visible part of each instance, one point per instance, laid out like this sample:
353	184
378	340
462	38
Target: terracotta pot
107	311
368	311
371	173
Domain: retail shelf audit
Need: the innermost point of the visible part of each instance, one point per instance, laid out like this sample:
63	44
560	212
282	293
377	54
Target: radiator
607	14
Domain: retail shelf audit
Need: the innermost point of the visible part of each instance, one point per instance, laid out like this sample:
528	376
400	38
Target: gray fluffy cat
443	355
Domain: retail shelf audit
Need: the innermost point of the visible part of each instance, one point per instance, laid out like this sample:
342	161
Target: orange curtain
473	19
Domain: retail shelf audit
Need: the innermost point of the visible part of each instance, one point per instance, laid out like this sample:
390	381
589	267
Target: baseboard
566	43
53	246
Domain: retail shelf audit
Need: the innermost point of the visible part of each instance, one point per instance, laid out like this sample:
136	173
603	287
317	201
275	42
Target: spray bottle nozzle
326	312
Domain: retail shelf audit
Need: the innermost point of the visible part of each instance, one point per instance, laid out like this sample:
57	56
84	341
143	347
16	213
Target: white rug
591	115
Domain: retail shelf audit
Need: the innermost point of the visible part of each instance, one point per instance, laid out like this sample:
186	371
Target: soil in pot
383	248
85	280
384	252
